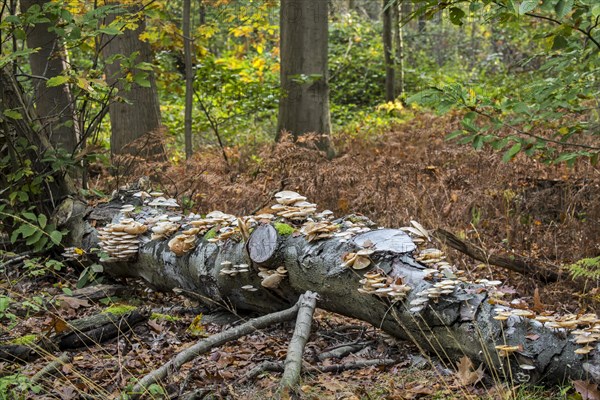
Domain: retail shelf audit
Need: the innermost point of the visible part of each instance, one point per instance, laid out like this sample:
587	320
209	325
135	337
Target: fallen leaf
587	390
465	374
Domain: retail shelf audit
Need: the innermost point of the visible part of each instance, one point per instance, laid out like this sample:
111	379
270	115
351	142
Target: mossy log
452	326
83	332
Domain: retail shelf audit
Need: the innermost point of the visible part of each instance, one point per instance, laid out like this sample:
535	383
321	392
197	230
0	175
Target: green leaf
30	216
13	114
511	153
559	42
596	10
42	220
67	291
142	79
57	80
56	237
527	6
456	15
110	30
563	7
34	238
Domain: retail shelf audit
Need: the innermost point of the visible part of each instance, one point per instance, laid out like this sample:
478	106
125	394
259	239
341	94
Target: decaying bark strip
455	320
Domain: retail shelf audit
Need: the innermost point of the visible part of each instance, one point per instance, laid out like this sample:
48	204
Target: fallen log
78	333
376	275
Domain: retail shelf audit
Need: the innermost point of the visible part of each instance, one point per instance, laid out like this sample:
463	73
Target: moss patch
283	229
118	309
210	234
25	340
164	317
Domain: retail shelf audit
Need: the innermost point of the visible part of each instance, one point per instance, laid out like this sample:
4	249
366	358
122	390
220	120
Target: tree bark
304	105
189	77
388	49
399	46
458	324
137	112
54	105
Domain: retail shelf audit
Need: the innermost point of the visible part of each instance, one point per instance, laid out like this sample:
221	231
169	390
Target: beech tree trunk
138	112
304	105
387	17
54	105
189	76
456	325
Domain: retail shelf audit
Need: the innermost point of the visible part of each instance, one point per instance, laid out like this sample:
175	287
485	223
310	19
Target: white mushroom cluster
378	284
319	230
585	328
121	240
358	260
231	269
73	253
155	199
351	229
272	278
439	289
293	206
184	242
163	229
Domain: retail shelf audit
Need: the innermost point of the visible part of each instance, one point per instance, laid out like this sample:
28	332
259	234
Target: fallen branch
342	350
274	366
205	345
293	360
51	368
514	262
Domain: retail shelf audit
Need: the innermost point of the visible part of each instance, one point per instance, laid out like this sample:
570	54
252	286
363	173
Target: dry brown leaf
587	390
74	303
465	374
538	306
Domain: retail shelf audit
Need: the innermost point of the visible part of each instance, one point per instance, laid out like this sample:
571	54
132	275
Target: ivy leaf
511	153
527	6
57	80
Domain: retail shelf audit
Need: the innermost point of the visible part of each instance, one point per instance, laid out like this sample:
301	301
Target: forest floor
548	214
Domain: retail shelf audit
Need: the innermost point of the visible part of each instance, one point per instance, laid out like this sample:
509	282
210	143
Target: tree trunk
137	113
399	47
54	105
388	49
189	77
12	129
459	323
304	106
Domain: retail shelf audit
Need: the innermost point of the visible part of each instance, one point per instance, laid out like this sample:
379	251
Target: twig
293	361
342	350
274	366
216	340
